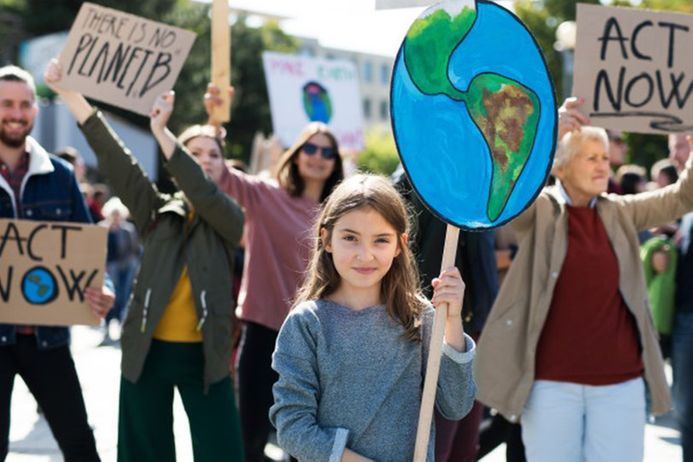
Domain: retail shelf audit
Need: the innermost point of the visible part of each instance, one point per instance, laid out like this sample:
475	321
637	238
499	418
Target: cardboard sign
45	268
302	90
387	4
122	59
634	69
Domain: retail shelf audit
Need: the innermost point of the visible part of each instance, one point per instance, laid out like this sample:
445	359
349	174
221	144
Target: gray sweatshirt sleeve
456	388
297	392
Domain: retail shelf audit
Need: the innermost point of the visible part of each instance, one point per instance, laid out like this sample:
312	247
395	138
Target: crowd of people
335	304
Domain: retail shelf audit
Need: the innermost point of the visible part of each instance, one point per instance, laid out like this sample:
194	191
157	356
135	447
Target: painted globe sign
473	112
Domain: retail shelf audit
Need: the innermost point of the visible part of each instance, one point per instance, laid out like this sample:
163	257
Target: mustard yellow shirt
179	321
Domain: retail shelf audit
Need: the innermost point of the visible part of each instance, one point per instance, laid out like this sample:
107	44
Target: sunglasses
326	152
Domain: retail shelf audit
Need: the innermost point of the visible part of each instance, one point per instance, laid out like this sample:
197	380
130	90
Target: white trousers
569	422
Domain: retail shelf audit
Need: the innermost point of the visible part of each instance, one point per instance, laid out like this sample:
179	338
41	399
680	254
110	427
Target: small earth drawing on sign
39	286
317	102
473	113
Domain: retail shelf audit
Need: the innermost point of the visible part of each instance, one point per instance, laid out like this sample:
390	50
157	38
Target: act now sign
45	268
303	90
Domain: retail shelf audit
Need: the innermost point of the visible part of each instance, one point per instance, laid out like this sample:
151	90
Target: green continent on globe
507	113
429	45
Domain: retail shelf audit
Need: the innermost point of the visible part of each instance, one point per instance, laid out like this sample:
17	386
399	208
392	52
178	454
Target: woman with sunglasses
279	214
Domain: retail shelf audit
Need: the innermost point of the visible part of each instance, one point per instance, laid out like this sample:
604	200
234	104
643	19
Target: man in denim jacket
37	186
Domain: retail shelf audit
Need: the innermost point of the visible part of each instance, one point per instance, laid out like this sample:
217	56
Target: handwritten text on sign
304	90
634	68
45	268
123	59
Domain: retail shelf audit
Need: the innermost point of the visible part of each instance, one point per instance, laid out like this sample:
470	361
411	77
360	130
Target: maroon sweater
589	337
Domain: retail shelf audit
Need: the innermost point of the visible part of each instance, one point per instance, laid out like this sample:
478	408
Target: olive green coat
170	242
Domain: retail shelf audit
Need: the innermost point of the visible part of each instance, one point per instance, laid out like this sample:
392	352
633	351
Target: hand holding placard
475	130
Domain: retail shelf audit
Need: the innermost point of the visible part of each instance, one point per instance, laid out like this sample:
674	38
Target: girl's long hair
287	171
400	286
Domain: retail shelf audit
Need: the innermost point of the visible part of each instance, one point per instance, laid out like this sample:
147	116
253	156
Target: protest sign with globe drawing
477	75
473	112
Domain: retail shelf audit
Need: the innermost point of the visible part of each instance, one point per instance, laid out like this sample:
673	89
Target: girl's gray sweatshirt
349	379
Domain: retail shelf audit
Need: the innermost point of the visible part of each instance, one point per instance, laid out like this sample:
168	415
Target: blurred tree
251	112
380	154
682	6
543	19
564	10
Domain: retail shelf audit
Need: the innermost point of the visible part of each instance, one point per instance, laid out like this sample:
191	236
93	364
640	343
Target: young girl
351	354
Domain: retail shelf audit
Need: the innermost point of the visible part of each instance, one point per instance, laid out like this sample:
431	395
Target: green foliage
564	10
251	112
543	27
380	154
681	6
642	149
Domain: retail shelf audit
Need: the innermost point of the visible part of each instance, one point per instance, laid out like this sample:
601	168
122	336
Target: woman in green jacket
177	333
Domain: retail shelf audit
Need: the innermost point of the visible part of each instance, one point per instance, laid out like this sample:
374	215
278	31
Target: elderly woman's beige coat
505	360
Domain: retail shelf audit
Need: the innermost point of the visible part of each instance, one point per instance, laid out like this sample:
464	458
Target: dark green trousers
145	427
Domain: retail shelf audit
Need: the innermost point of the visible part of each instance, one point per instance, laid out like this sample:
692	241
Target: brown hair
206	131
287	171
400	286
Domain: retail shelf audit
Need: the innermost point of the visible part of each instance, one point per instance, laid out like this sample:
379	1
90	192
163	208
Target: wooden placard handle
428	398
221	60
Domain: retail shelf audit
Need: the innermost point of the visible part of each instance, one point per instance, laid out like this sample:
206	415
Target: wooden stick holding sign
483	174
423	430
221	60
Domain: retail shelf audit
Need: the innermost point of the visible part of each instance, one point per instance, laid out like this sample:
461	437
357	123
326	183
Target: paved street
98	368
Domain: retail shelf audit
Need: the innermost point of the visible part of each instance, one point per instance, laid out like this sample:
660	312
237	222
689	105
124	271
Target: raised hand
569	116
161	111
212	99
53	75
75	101
158	118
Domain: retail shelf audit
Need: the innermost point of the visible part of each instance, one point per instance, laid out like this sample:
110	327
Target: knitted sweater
349	379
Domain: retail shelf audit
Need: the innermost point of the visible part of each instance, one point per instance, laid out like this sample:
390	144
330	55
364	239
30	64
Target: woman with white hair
569	344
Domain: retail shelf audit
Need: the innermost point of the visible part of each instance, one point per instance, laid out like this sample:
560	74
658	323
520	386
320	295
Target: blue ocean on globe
39	286
442	149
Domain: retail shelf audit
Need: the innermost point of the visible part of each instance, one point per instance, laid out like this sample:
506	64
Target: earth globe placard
473	112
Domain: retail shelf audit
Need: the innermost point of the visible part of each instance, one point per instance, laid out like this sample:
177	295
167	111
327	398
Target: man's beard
14	141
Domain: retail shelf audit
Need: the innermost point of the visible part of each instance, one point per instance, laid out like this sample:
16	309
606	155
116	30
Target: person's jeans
682	365
51	377
122	280
569	422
